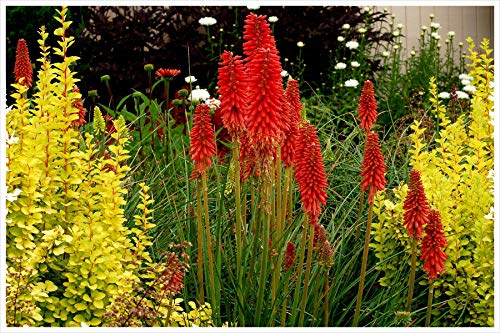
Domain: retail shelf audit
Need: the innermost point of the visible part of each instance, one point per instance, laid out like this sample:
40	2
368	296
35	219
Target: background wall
476	22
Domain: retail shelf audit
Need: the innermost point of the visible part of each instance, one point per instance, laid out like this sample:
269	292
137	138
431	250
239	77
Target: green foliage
456	173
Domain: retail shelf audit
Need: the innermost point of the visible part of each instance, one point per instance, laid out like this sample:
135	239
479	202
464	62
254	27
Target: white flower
444	95
13	196
284	73
340	38
253	7
300	44
400	26
346	26
352	44
465	82
435	35
435	25
361	30
199	94
395	33
447	41
413	53
451	33
385	54
431	16
207	21
462	95
12	139
351	83
190	79
355	64
465	77
393	16
213	103
469	88
395	47
273	19
424	28
366	9
340	65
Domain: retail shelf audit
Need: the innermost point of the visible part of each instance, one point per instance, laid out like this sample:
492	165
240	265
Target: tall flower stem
166	124
239	227
199	221
429	305
307	275
326	298
278	232
412	273
266	219
212	286
300	262
361	204
363	265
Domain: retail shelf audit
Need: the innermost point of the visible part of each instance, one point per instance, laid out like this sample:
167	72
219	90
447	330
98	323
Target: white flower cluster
351	83
272	19
190	79
213	103
352	44
199	94
340	65
207	21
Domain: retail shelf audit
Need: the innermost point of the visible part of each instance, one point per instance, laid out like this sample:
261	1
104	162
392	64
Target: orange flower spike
257	34
202	139
292	108
310	172
292	95
415	206
22	67
373	167
367	106
434	240
232	89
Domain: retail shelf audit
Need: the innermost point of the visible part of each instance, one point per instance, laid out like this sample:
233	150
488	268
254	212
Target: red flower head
373	167
289	256
432	243
202	139
77	104
293	117
232	89
167	72
22	68
367	106
319	236
257	34
310	172
416	206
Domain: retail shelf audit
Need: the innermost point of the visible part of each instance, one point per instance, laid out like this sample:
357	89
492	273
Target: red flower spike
310	172
202	139
232	89
293	117
373	167
367	106
289	256
432	243
22	68
416	206
265	95
78	104
170	72
257	34
292	95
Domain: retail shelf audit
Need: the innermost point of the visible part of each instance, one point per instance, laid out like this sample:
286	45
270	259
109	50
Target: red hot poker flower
257	34
434	240
310	172
367	106
416	206
289	256
202	139
78	104
22	68
292	95
170	72
232	89
373	167
293	117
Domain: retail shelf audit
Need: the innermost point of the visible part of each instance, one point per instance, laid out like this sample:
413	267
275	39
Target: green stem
326	297
412	273
211	287
363	265
200	245
300	263
429	305
308	273
266	218
239	229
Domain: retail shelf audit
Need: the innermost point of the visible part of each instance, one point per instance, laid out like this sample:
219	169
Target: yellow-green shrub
456	173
